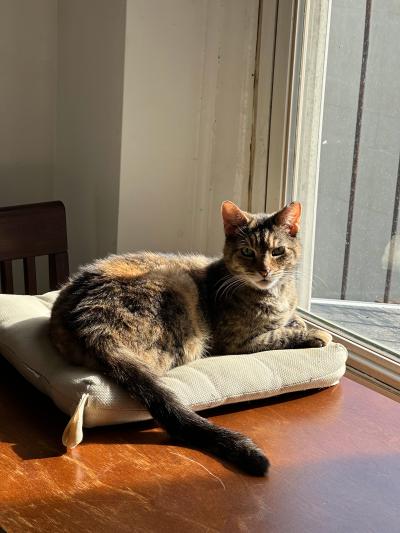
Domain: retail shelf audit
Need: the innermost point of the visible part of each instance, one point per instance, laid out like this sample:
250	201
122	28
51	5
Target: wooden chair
29	231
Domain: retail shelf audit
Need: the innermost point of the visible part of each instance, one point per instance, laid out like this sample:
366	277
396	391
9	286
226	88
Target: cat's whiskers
314	275
229	286
226	281
299	275
223	280
231	291
235	287
243	284
227	276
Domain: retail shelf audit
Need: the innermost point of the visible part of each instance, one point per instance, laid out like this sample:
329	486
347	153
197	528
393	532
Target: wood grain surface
335	458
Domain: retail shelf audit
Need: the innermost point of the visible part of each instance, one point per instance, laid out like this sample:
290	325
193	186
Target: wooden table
335	458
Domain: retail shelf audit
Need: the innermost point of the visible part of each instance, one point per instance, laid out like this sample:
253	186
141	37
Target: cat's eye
278	251
247	252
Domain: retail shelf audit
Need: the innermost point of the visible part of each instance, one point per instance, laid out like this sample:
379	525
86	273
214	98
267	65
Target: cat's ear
233	217
289	218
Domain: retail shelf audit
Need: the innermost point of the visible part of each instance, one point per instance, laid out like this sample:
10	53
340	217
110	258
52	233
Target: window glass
356	266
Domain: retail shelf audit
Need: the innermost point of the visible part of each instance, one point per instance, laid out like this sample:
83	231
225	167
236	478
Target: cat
135	316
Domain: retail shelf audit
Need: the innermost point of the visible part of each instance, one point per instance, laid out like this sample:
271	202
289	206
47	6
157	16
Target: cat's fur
135	316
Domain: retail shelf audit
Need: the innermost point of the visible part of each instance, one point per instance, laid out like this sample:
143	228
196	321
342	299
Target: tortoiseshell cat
135	316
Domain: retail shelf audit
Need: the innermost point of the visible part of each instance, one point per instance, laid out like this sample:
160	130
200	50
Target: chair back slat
30	275
58	269
6	273
29	231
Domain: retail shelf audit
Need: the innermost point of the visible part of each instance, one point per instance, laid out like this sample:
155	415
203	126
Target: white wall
162	91
28	74
28	44
137	114
91	35
187	118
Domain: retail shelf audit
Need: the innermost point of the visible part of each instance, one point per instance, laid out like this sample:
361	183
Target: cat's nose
264	273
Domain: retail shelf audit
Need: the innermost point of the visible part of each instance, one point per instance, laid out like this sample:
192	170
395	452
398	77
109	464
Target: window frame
292	126
366	360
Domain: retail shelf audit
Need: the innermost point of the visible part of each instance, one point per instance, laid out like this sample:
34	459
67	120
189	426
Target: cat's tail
178	420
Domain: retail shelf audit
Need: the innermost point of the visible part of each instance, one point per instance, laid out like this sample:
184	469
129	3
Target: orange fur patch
121	269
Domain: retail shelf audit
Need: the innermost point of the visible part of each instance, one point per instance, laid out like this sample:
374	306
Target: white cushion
92	399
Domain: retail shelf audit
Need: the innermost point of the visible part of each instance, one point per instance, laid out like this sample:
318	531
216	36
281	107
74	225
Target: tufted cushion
92	400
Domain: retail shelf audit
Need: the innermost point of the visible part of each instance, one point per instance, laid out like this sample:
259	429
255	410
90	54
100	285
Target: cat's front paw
317	338
297	323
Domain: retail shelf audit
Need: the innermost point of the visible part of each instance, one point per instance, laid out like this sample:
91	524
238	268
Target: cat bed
93	400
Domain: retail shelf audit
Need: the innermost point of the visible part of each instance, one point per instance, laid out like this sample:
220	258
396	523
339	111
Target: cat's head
262	250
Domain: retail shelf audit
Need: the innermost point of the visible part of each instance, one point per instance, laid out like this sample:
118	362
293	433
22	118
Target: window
356	267
342	148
